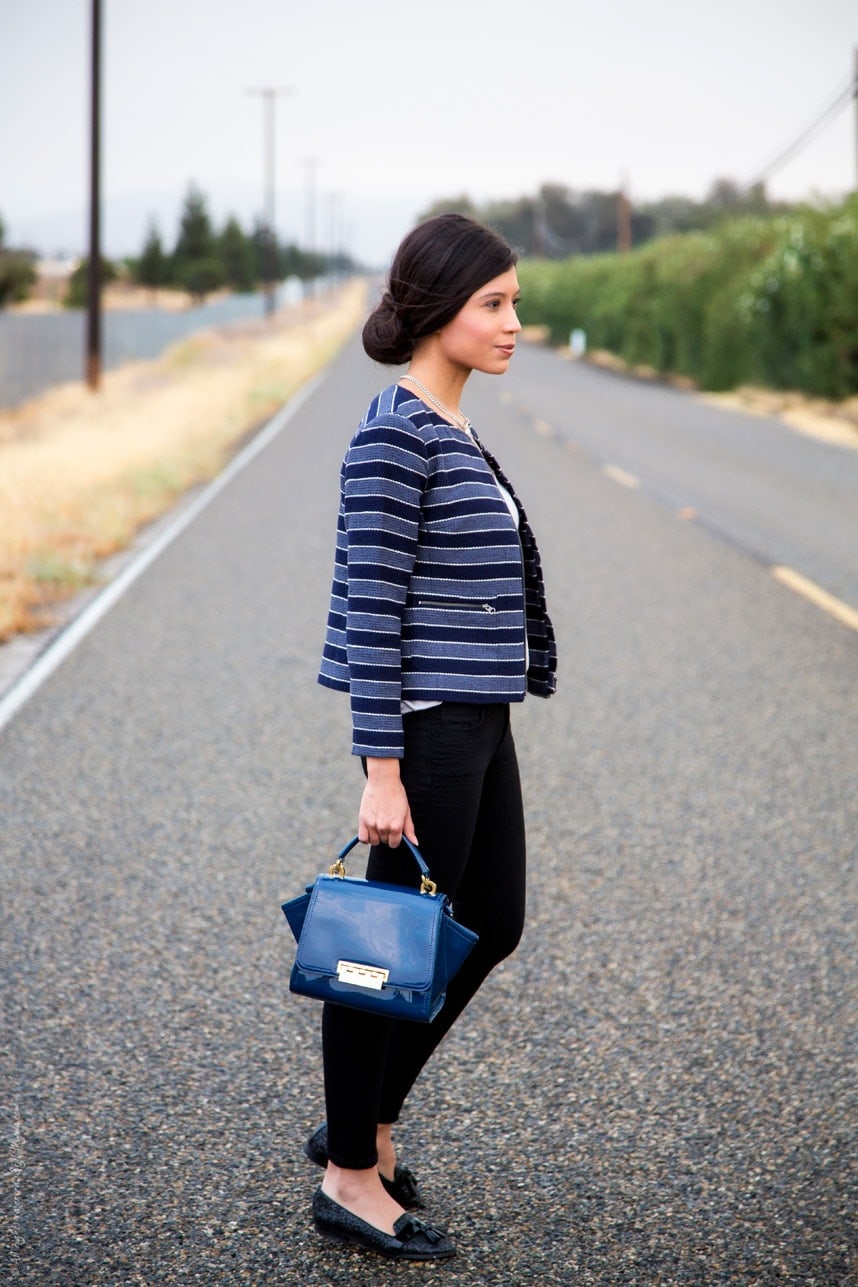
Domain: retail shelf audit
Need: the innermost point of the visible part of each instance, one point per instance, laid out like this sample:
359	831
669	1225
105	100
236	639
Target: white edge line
815	594
77	630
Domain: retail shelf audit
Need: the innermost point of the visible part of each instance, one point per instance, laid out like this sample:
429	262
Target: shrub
200	277
78	287
771	301
17	276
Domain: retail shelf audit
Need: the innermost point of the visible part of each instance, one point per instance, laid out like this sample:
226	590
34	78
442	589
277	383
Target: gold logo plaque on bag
362	976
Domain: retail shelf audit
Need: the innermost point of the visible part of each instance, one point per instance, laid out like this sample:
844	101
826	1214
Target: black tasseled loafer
412	1238
402	1188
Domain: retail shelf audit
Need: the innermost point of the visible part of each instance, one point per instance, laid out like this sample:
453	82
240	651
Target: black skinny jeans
461	777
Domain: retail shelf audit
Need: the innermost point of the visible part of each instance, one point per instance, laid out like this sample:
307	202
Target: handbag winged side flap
373	946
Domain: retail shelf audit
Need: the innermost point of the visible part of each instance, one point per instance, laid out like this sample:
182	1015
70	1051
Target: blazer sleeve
384	478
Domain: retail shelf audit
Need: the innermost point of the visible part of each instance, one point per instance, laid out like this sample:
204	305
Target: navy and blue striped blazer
435	591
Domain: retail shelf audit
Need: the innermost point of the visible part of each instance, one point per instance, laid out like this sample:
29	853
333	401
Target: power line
839	103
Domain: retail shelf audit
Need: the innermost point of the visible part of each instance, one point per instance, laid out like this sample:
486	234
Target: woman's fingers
385	815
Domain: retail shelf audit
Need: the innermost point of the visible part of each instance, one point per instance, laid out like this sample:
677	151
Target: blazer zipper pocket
457	605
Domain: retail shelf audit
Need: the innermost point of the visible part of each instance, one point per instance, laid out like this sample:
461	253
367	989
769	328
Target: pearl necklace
457	417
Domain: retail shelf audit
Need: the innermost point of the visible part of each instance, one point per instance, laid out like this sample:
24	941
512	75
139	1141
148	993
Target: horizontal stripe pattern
431	599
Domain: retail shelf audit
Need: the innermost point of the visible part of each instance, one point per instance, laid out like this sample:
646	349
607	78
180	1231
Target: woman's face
481	337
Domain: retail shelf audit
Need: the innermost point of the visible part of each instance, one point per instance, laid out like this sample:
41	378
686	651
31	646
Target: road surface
658	1088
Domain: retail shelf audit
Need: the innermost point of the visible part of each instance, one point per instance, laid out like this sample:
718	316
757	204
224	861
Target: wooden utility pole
624	220
93	309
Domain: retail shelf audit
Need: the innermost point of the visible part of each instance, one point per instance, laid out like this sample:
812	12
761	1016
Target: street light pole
310	164
269	99
93	311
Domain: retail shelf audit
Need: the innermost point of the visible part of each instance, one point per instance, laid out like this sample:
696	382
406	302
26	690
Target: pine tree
237	254
197	264
152	266
196	239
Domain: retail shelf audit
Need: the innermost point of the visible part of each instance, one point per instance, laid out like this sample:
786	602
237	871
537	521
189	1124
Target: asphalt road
657	1089
780	496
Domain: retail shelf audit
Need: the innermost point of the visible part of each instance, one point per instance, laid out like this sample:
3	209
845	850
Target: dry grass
835	422
81	473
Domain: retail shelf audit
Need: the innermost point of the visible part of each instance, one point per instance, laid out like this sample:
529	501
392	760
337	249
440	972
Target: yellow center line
814	593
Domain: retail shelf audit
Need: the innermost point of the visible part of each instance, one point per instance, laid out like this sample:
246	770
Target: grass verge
80	474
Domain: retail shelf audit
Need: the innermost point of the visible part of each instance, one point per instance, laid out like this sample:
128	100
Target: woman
437	623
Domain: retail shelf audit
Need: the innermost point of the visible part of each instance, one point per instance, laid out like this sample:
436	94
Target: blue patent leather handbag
373	946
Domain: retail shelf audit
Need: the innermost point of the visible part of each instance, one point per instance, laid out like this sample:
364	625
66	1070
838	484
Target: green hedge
772	302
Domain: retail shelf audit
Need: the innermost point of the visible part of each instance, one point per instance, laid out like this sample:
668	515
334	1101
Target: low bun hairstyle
435	271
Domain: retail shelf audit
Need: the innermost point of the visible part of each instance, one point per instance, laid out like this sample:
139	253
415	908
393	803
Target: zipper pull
488	607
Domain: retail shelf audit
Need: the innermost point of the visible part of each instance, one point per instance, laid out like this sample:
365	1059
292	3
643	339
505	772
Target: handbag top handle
427	886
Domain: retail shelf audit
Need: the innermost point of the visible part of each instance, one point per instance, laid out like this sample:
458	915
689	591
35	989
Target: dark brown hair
434	273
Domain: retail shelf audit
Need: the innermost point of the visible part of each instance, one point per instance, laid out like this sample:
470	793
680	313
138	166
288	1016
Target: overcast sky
404	101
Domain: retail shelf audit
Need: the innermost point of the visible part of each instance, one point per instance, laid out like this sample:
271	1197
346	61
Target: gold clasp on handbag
428	886
338	868
363	976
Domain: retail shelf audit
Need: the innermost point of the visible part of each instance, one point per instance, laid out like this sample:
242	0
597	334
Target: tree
515	220
76	296
290	261
560	222
570	222
199	277
196	261
554	224
17	272
196	239
451	205
237	256
153	268
17	276
669	215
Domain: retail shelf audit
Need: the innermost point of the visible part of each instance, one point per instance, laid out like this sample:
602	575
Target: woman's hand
385	816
